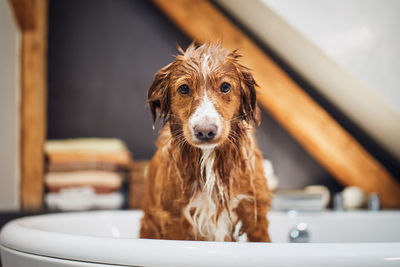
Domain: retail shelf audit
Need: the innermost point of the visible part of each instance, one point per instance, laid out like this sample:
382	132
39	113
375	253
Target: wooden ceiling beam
332	146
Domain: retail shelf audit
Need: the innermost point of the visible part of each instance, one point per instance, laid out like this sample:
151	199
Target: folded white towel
83	198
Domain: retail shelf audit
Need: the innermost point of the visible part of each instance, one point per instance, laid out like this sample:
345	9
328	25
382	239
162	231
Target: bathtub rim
16	237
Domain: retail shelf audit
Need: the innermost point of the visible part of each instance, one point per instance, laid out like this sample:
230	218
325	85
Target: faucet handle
338	202
299	234
373	202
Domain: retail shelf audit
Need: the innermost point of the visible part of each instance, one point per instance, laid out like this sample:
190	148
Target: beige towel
88	150
109	181
85	165
85	145
121	158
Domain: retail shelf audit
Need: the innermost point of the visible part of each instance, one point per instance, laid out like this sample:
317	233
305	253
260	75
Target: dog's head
202	93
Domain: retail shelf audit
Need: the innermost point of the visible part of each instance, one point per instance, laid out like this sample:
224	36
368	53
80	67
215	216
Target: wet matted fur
205	189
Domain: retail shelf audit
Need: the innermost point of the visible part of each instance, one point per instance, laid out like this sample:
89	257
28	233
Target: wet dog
206	180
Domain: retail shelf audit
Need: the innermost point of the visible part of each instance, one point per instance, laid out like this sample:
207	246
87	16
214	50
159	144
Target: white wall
349	50
10	38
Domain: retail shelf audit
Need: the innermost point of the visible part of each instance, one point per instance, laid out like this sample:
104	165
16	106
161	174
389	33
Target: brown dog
206	181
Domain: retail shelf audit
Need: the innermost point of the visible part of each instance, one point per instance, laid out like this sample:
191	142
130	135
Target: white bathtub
109	238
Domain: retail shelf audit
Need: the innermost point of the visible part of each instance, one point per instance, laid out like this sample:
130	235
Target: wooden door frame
31	16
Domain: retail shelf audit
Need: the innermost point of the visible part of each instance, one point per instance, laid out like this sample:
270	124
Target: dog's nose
205	132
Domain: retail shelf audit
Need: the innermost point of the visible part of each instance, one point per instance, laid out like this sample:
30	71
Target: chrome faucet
338	202
299	234
373	202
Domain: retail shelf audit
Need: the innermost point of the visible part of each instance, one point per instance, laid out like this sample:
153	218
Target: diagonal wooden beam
331	145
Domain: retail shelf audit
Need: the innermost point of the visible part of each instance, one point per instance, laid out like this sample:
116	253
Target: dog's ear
158	94
257	116
248	107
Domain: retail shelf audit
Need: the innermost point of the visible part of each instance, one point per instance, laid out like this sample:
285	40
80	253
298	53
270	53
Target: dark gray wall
102	58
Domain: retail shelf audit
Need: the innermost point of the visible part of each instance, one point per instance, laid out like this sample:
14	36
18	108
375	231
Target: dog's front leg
161	224
149	227
254	219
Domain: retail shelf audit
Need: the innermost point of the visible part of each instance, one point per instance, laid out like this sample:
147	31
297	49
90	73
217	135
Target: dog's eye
183	89
225	88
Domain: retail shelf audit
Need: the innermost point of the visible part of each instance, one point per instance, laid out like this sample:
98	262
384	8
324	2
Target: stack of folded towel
86	173
137	183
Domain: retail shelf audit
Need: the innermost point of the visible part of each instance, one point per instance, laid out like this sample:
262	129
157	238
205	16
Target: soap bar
353	197
320	189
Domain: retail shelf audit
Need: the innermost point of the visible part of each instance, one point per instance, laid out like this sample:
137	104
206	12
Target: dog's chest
208	220
208	211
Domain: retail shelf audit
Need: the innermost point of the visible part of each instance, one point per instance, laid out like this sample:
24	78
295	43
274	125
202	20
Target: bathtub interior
323	227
